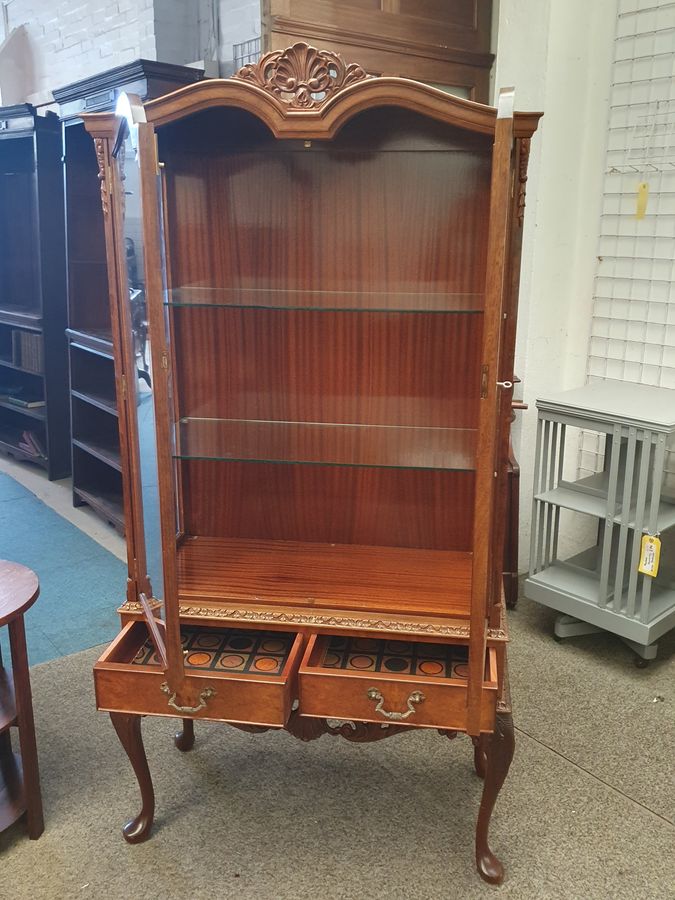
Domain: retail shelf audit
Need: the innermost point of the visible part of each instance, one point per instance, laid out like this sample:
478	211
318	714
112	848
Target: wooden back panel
19	277
324	218
87	270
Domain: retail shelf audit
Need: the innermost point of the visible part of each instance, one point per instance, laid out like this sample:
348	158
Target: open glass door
137	364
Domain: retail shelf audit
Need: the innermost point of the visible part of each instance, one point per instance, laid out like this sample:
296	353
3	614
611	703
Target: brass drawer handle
203	697
415	697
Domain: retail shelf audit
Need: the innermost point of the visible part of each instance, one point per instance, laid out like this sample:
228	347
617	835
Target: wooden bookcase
317	474
34	421
95	442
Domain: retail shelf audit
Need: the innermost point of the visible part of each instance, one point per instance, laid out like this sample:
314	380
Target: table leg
26	724
499	753
128	728
185	739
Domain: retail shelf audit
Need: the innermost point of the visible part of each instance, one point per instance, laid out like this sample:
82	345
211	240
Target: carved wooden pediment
301	76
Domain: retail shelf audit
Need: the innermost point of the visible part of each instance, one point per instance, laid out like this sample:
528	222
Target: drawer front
373	696
128	681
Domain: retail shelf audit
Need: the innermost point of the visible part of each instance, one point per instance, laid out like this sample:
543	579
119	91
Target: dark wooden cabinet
317	469
442	42
34	419
95	447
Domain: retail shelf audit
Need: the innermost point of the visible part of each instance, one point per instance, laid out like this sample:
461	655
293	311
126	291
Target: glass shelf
328	301
318	443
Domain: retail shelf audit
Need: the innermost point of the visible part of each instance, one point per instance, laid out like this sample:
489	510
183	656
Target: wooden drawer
393	682
251	675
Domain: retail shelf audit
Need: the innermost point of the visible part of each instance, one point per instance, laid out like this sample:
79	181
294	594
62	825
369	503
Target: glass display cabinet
330	263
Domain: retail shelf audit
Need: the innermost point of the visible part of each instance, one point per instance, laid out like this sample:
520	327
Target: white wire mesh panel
633	323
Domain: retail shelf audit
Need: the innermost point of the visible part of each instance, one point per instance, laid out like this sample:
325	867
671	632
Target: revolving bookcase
317	475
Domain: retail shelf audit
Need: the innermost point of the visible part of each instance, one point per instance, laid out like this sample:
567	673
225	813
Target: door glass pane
139	376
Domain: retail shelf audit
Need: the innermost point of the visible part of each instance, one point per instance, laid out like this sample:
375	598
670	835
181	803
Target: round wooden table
19	774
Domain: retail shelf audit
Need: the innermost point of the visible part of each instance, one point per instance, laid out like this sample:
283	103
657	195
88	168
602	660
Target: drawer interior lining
233	650
366	655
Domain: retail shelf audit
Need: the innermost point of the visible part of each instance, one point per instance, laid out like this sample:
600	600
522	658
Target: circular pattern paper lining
396	657
227	650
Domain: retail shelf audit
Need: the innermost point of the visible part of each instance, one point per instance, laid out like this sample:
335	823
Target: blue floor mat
81	583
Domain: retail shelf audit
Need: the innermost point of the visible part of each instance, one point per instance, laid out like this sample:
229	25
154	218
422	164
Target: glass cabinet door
137	363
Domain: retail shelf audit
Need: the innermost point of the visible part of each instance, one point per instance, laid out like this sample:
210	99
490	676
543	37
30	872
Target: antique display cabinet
317	474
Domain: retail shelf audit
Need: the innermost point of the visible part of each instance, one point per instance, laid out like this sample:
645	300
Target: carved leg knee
479	756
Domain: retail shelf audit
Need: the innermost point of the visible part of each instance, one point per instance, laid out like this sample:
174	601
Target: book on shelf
18	396
27	351
31	445
24	403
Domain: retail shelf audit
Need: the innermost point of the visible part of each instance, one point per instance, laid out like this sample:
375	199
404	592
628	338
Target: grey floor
588	810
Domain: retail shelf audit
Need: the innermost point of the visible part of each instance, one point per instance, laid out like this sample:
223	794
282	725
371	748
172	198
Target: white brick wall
72	39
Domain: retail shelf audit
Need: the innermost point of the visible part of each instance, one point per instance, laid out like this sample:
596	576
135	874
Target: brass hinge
159	165
484	371
123	385
165	360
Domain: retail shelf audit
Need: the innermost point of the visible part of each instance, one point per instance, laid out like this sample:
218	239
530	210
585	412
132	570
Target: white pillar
558	55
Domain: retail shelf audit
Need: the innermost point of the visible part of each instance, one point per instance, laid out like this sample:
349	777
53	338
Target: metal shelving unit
601	587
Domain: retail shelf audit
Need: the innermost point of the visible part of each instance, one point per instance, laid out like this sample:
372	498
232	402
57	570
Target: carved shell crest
301	76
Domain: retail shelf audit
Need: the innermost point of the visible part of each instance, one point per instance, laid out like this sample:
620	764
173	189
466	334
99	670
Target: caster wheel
640	663
557	639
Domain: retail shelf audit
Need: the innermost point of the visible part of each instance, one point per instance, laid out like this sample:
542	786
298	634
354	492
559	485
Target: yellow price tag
650	553
642	197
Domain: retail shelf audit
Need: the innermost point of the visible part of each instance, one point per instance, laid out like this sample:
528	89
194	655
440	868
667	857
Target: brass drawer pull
203	697
415	697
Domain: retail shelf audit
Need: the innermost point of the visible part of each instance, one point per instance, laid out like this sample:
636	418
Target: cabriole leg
479	755
128	728
499	753
185	739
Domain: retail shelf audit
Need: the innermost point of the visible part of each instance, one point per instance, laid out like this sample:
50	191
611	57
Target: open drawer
231	675
397	682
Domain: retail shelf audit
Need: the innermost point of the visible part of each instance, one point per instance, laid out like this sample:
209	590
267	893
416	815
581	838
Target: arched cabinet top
302	93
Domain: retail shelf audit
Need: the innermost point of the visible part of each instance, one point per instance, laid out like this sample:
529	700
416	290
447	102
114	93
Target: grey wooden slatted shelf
601	587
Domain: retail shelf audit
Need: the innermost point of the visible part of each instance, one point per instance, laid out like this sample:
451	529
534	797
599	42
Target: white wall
239	22
186	30
558	54
73	39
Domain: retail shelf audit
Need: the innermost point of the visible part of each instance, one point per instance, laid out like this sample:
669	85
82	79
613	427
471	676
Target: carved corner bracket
302	77
522	178
99	145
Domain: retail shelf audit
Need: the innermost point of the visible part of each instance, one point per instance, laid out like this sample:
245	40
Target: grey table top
617	401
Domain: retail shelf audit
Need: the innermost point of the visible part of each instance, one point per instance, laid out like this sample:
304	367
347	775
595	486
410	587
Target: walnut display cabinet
317	475
34	421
